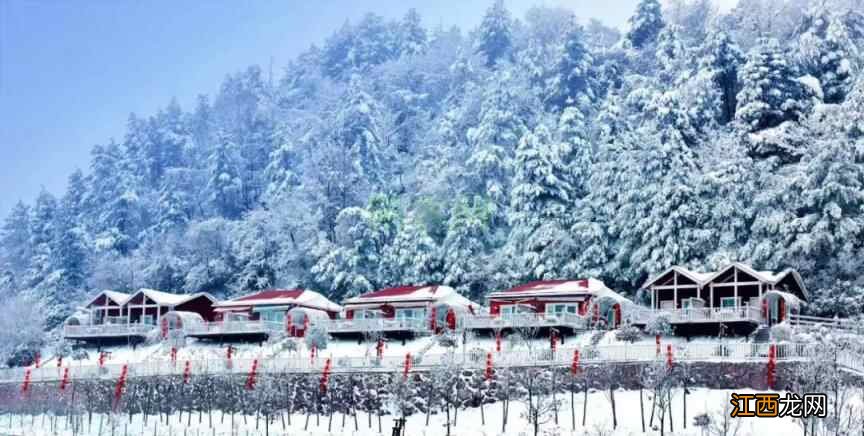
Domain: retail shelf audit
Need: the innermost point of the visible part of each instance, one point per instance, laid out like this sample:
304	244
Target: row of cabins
735	297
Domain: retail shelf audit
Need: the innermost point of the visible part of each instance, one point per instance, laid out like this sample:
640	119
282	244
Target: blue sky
72	71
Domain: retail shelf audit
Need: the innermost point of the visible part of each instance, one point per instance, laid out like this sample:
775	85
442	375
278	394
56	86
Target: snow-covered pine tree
672	56
645	24
412	258
412	36
770	93
539	215
224	185
827	52
494	37
465	247
15	242
571	83
721	60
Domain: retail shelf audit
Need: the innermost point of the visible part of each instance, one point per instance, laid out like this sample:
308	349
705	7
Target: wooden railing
376	325
216	328
526	320
699	315
106	330
797	320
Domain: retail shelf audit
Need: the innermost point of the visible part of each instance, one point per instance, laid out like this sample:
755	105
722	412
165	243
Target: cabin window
558	309
410	313
273	316
667	304
729	302
692	303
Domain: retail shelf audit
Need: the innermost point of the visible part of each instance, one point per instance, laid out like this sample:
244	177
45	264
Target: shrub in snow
629	334
290	345
317	337
597	336
79	354
781	332
448	340
659	325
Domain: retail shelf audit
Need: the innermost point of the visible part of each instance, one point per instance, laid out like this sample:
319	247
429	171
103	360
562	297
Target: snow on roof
426	293
703	278
275	297
117	297
791	300
168	299
554	288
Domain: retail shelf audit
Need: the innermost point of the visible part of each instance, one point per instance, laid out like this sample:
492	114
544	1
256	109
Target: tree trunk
642	409
572	407
585	404
614	415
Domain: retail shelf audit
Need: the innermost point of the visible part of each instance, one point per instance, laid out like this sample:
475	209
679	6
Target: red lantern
37	359
488	373
325	376
101	359
553	341
657	340
313	354
229	352
498	342
187	372
174	355
121	383
25	386
575	367
407	366
250	380
669	362
65	381
289	328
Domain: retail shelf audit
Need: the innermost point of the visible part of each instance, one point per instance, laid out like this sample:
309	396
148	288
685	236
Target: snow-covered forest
543	146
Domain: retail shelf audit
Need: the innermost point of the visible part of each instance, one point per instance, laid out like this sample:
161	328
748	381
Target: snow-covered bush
629	333
317	337
659	325
781	332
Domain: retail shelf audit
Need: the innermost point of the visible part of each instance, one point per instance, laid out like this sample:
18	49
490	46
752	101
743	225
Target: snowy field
467	422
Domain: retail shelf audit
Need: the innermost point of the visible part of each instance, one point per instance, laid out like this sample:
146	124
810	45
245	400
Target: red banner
498	342
65	381
325	377
101	359
38	359
553	341
772	366
488	373
250	381
575	367
174	355
407	366
657	340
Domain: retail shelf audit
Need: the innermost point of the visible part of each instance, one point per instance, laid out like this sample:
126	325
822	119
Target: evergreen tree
645	24
571	83
494	38
828	52
224	184
413	258
15	240
464	249
721	61
412	36
770	93
540	206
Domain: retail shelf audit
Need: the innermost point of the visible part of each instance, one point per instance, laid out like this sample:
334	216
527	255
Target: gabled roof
282	297
117	297
418	294
167	299
554	288
698	277
702	279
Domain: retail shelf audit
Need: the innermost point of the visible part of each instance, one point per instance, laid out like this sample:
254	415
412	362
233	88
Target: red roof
272	294
395	292
541	284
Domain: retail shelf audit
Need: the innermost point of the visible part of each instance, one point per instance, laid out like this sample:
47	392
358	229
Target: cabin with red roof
569	304
273	311
405	309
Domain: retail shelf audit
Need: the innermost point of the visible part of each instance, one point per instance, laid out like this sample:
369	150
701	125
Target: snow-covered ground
468	422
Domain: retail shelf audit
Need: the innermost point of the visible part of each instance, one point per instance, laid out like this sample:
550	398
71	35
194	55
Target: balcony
526	320
378	325
233	328
106	330
743	313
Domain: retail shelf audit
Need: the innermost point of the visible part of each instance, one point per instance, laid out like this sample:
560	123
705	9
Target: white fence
476	359
701	314
107	330
377	325
812	321
526	320
233	327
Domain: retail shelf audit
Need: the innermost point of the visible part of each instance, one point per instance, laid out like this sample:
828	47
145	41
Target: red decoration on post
575	367
553	341
451	319
187	372
407	366
325	377
174	355
772	365
657	340
379	348
617	309
65	380
250	381
498	342
121	384
313	354
25	385
669	362
37	359
488	373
